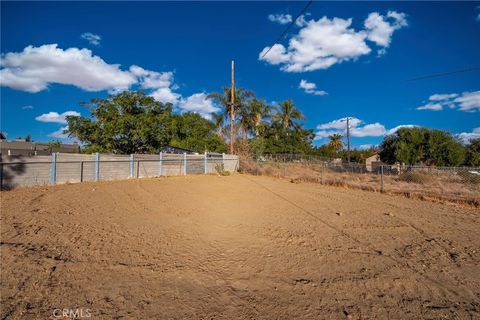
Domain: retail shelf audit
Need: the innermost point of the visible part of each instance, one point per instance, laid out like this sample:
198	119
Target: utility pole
232	108
347	119
348	139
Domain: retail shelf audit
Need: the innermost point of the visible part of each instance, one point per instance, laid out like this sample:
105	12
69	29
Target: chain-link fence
62	168
457	184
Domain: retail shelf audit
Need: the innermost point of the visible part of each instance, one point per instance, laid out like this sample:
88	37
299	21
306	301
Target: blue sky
353	58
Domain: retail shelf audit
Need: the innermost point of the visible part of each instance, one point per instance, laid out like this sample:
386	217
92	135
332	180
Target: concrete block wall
70	168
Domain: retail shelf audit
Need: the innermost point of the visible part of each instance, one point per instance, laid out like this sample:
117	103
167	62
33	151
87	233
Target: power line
435	75
288	27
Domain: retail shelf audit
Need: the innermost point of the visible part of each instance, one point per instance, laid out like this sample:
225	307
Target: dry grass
439	187
415	177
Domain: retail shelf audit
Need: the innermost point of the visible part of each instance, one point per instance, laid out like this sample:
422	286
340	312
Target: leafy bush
415	177
220	168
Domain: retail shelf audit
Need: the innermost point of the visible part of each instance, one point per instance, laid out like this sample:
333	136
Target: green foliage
253	116
279	139
335	142
220	168
257	146
324	151
265	128
415	177
233	113
132	122
288	115
358	156
192	132
422	146
472	156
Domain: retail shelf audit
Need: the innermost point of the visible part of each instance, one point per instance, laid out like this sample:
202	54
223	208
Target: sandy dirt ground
238	247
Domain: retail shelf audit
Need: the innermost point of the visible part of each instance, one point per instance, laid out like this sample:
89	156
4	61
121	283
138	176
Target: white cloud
165	95
311	88
465	137
431	106
56	117
380	28
357	128
92	38
160	82
393	130
59	133
365	146
325	42
467	102
369	130
276	55
152	79
200	104
340	124
34	68
440	97
301	20
280	18
29	107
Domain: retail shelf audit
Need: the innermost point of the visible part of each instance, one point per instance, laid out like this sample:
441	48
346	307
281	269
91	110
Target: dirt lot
238	247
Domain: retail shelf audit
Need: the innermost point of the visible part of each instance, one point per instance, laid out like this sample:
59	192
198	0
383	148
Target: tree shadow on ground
11	167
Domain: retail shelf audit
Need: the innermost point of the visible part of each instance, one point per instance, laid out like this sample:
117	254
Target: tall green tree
129	122
132	122
288	115
192	132
253	115
335	142
219	121
422	146
472	157
278	139
260	113
241	96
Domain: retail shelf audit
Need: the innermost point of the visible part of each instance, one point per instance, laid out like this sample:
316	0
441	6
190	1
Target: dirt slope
238	247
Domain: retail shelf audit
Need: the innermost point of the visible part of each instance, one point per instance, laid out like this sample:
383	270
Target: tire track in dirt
366	245
224	247
452	255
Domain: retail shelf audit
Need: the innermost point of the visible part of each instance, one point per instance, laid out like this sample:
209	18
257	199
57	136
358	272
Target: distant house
26	148
373	162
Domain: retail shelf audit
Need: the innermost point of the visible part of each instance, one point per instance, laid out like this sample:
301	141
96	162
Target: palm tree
244	119
260	111
218	120
252	115
288	114
229	111
336	142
